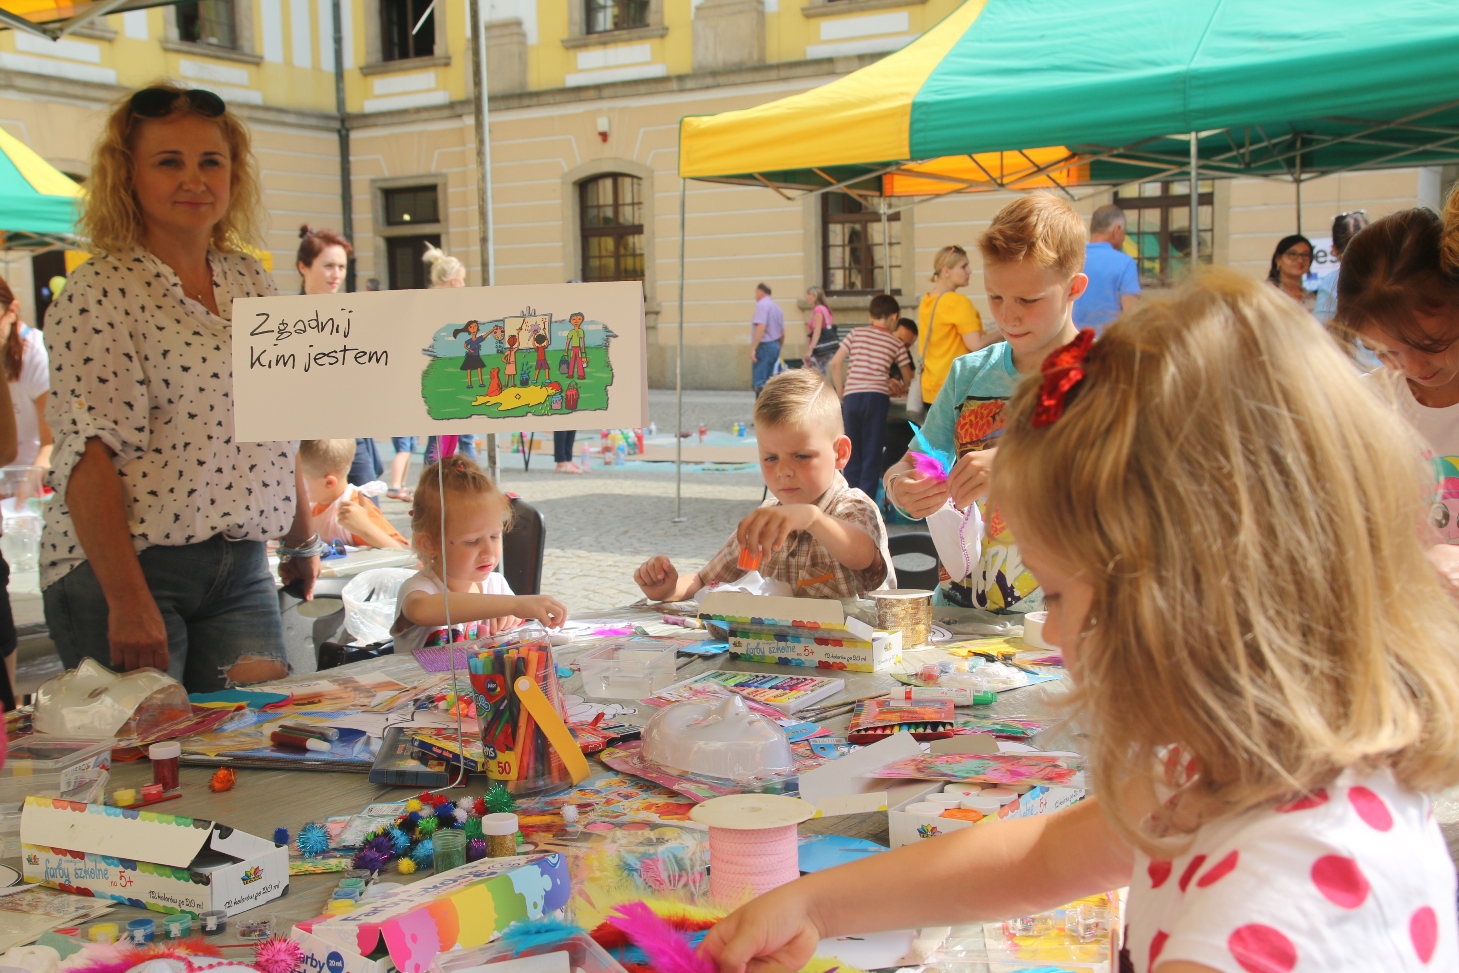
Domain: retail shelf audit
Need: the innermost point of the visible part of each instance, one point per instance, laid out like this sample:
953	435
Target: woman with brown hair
28	373
153	552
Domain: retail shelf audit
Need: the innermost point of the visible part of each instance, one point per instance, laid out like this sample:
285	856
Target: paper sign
521	358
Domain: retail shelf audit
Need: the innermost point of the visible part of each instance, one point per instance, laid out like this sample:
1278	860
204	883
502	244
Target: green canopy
1293	89
37	201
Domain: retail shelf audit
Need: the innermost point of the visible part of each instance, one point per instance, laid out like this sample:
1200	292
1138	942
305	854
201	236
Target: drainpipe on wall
346	187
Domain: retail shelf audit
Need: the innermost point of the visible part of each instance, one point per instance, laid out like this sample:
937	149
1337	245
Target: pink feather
668	949
930	465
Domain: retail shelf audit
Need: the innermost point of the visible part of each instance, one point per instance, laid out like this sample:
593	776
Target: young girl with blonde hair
467	542
1223	520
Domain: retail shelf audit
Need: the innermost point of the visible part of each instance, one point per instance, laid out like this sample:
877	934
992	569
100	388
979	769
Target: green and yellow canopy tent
1021	94
56	18
37	201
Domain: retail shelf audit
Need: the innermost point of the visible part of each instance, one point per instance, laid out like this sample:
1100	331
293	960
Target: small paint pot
352	894
124	797
151	792
925	809
1003	795
352	883
963	789
178	926
214	922
103	932
142	930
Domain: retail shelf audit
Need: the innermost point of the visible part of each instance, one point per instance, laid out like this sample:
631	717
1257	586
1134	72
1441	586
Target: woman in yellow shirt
947	322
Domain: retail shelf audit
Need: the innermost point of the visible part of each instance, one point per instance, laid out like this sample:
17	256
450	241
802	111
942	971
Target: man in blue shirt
1114	280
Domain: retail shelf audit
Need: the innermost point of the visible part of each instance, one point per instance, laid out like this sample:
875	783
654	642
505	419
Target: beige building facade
586	98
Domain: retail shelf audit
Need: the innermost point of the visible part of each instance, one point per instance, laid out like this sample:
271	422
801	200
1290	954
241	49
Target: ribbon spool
905	610
752	843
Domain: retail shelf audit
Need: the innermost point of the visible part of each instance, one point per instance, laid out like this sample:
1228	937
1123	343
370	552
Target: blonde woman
947	322
153	549
445	270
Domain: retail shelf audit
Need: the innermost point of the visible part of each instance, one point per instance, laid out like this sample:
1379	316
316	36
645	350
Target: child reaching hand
817	534
476	515
1226	527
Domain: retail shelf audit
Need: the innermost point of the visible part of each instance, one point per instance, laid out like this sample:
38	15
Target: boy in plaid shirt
817	534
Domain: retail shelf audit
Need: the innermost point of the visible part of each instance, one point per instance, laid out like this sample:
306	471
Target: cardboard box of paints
462	908
163	862
800	631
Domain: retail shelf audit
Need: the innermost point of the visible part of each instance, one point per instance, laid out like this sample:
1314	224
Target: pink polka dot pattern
1159	871
1262	949
1340	881
1190	871
1157	943
1423	929
1218	871
1370	808
1316	799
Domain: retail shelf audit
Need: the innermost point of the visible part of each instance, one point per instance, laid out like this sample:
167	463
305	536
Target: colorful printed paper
995	768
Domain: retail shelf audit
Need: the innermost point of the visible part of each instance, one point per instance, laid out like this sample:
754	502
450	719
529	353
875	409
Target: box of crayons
514	748
800	632
876	719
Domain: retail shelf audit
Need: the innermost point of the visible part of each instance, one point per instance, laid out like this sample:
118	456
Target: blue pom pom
445	812
423	854
281	836
399	841
413	817
313	840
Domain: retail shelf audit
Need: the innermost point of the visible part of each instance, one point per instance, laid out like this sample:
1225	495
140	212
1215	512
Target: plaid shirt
805	564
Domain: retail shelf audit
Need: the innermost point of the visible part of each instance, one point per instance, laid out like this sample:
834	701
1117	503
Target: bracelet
313	547
890	482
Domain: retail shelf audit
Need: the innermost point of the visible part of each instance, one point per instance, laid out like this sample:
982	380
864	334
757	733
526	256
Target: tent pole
346	180
679	373
1195	189
886	251
1297	182
487	238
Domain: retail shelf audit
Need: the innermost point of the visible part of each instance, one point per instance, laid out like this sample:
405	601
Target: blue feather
927	449
538	932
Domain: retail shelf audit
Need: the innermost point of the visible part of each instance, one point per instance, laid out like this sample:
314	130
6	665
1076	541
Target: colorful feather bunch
667	947
935	463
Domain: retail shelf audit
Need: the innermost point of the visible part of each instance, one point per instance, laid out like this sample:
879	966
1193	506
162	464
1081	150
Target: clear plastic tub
10	834
629	668
38	753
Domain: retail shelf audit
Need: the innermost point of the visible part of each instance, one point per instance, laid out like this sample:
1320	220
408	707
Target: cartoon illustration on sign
518	380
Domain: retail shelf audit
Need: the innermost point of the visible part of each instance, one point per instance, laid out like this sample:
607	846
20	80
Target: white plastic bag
958	537
369	603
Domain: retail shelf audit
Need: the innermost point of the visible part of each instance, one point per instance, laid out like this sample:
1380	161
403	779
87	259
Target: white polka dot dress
1355	878
149	371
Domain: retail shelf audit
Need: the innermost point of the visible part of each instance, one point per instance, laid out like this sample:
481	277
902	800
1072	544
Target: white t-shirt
409	636
1439	429
34	381
1354	879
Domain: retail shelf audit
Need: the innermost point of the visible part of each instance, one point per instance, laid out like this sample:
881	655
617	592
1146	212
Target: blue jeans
767	353
217	600
366	465
562	443
865	417
404	444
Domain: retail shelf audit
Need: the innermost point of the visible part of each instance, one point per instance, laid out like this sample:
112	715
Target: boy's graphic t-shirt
1439	429
969	415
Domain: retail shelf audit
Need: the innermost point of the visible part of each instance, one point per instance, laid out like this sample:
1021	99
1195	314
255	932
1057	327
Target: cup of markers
517	751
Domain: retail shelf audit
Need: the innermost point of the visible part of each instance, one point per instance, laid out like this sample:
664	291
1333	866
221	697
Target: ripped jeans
217	598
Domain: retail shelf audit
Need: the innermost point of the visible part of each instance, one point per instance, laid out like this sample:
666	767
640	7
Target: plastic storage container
628	668
50	766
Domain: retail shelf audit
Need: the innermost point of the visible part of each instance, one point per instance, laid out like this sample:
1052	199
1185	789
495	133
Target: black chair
916	544
523	547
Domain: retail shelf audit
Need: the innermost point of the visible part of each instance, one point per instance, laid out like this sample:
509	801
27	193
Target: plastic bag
369	603
751	583
92	702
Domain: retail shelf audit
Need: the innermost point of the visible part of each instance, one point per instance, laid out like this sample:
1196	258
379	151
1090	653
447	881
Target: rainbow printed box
465	907
163	862
800	632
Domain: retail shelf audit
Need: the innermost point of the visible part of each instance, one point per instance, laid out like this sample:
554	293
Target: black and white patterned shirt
149	371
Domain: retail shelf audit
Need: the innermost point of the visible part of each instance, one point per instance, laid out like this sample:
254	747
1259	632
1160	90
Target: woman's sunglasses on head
161	102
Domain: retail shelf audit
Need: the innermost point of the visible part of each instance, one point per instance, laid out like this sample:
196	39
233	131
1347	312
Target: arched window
612	227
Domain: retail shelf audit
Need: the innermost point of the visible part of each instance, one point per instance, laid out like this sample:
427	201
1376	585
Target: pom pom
406	866
313	840
499	800
445	813
413	818
399	841
472	828
668	949
281	836
426	827
479	807
223	780
380	844
369	860
475	849
461	814
423	854
413	804
278	954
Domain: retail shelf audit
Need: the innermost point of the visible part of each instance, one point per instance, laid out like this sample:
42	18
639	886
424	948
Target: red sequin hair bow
1063	369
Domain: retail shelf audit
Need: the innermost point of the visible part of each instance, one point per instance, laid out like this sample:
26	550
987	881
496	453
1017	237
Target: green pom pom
499	800
426	827
472	827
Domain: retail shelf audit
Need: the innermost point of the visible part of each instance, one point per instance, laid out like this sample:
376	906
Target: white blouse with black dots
149	371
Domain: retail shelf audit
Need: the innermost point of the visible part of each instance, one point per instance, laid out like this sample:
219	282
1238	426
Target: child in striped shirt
860	371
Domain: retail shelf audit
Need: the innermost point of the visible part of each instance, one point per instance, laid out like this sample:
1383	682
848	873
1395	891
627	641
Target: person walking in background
1114	279
860	373
768	323
948	323
821	337
1290	262
1345	226
562	446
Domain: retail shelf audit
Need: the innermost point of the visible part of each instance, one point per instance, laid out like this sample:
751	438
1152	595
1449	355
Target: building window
853	260
606	15
1157	227
612	227
404	258
412	205
411	218
208	22
407	28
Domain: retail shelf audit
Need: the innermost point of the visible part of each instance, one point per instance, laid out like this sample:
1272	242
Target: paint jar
103	932
178	926
151	792
963	814
338	907
142	930
945	799
448	848
501	835
1003	795
124	797
164	757
354	895
364	874
962	789
352	883
381	890
925	809
981	804
215	921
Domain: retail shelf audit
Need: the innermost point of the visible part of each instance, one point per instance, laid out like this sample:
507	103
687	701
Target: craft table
263	800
